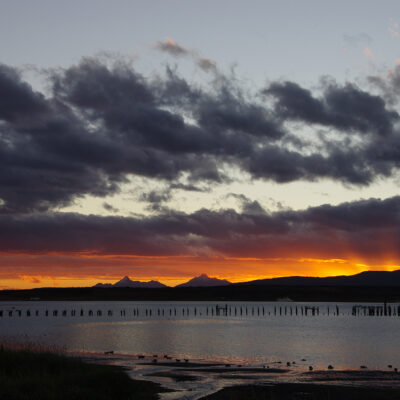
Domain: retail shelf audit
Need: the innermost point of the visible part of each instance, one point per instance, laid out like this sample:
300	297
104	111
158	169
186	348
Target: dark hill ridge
366	278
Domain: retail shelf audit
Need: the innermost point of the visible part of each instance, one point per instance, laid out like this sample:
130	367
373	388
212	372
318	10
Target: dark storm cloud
110	208
369	228
345	108
188	188
389	86
248	206
18	101
102	123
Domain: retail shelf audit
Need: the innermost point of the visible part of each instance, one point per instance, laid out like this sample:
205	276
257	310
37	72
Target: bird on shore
310	368
330	367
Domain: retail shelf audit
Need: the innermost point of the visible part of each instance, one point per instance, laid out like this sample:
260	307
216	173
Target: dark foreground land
237	292
36	375
296	391
29	374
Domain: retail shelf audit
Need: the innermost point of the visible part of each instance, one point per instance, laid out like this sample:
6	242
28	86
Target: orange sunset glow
169	163
30	271
199	199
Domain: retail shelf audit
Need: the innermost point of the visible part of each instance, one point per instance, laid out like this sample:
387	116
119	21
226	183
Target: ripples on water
342	340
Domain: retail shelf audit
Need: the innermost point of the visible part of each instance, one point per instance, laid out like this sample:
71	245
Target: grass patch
29	374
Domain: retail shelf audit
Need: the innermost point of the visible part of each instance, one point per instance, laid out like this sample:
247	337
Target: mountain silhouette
204	281
127	282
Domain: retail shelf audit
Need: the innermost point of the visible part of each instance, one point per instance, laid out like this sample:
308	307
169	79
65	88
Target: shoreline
199	380
207	381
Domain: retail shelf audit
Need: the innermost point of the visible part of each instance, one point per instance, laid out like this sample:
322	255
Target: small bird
288	364
390	366
330	367
310	368
363	367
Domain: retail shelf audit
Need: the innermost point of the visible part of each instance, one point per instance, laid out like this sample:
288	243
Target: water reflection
259	337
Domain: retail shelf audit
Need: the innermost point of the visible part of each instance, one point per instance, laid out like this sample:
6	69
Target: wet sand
198	379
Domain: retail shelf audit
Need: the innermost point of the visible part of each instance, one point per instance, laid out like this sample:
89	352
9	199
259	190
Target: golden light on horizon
87	270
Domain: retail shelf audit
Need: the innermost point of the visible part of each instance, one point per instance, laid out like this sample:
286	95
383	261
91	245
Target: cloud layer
363	230
99	124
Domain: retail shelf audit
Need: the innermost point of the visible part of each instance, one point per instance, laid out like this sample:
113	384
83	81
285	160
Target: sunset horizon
199	199
39	281
168	155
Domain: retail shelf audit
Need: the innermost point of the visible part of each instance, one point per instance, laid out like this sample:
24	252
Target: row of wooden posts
383	310
218	310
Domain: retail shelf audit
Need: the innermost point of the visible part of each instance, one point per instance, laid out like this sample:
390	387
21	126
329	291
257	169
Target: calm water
256	338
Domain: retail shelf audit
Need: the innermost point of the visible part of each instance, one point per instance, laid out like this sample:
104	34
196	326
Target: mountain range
127	282
200	281
367	278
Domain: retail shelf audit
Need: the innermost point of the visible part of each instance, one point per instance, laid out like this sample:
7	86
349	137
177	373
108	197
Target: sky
162	140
